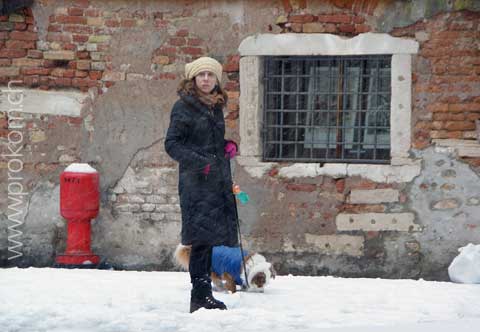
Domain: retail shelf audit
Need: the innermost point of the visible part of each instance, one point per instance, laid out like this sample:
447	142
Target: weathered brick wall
114	52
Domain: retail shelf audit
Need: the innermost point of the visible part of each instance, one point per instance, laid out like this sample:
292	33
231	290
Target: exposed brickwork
446	84
348	24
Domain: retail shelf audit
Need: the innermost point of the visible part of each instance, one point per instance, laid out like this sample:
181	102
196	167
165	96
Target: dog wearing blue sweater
227	268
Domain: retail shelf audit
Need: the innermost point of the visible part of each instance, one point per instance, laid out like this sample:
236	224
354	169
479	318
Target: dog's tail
182	256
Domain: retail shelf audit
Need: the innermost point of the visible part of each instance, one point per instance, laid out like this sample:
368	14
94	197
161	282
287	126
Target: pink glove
206	170
230	149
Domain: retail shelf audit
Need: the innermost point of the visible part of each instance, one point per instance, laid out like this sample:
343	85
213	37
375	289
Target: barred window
327	109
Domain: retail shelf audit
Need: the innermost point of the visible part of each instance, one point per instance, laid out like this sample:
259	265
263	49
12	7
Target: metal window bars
327	109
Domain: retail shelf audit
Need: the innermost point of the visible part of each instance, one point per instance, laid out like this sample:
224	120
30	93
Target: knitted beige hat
204	63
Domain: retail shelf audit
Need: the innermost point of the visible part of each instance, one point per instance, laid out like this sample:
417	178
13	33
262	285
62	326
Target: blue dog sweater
229	260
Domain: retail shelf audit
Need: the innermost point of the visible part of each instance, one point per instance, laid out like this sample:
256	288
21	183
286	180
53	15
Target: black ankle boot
201	296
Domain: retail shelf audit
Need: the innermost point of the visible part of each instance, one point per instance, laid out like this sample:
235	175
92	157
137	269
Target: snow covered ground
117	301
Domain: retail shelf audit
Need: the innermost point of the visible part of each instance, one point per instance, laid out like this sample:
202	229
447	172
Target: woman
195	139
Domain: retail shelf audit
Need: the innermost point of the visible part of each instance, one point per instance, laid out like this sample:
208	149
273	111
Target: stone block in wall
400	222
374	196
9	71
464	148
99	39
59	55
351	245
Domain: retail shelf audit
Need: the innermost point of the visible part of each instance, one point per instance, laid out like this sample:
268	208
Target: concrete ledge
68	103
325	44
400	222
378	173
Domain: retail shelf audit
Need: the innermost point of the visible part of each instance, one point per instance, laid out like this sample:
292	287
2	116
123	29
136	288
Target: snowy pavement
57	300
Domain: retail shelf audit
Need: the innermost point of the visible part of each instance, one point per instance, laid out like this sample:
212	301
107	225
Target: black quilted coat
194	139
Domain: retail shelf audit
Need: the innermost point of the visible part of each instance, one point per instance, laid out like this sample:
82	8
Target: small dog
227	268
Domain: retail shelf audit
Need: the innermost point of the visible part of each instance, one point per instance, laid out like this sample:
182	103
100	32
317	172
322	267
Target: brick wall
77	51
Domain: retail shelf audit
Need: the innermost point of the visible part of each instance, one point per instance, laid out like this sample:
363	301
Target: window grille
327	109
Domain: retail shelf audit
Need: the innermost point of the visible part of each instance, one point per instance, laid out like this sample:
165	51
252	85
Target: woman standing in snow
195	139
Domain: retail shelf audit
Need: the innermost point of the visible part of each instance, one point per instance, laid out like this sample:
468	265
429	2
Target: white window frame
252	49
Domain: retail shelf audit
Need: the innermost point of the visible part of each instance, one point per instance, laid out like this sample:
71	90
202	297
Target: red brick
75	11
4	18
362	28
287	6
20	26
59	37
182	33
442	116
81	74
23	35
71	19
83	55
232	64
194	41
233	106
54	28
35	71
3	35
5	62
166	51
61	81
159	23
62	72
177	41
95	75
192	50
92	12
460	125
29	20
232	86
438	134
112	23
359	183
455	134
302	187
82	82
80	38
69	73
301	18
31	81
347	28
12	53
128	23
335	18
473	116
70	47
360	208
81	3
20	44
78	29
358	19
467	107
437	107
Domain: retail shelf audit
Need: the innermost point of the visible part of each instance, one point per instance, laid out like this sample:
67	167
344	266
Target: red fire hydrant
79	203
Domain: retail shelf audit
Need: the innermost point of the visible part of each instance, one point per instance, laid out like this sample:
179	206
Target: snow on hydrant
79	203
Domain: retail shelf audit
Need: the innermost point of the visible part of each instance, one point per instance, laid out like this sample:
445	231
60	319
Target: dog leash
241	247
232	168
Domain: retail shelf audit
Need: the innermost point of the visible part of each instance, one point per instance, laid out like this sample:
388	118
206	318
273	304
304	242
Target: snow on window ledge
253	48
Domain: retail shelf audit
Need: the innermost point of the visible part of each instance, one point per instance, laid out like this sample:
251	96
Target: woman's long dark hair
217	97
